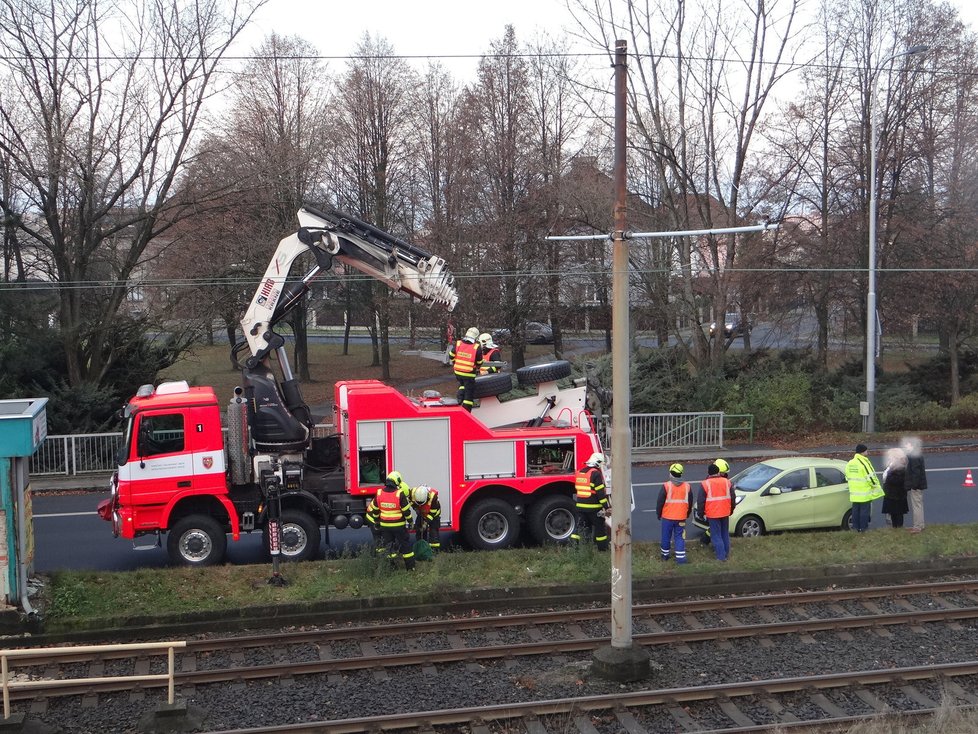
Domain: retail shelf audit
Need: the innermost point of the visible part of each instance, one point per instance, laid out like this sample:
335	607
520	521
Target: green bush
914	416
964	413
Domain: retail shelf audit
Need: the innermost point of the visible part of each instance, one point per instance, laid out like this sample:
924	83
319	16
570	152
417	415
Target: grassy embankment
76	596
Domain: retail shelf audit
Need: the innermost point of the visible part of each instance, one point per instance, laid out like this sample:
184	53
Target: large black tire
750	526
534	374
552	519
196	540
491	524
300	536
487	386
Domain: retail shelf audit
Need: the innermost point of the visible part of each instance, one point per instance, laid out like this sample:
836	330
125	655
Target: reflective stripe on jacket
864	485
676	506
589	488
465	359
488	357
718	501
431	509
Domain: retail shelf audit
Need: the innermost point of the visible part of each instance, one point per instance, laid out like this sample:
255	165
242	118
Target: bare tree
101	103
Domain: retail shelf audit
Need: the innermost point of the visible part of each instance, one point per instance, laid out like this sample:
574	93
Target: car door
831	497
790	506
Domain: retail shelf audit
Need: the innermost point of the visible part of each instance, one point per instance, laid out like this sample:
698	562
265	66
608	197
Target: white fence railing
82	453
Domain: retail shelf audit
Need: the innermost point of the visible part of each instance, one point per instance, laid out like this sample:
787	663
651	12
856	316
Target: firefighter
592	502
466	358
672	509
390	511
427	509
490	354
716	497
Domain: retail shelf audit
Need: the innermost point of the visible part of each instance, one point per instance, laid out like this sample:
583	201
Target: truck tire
196	540
552	519
534	374
300	536
491	524
487	386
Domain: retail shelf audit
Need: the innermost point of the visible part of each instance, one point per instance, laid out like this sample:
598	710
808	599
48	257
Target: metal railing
82	453
25	655
672	430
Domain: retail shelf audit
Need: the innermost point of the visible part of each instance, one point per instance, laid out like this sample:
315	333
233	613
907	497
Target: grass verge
80	596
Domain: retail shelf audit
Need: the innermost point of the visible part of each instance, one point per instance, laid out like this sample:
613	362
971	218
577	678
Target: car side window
793	481
161	434
828	476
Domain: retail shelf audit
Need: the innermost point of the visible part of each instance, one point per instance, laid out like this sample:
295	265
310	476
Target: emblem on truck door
208	462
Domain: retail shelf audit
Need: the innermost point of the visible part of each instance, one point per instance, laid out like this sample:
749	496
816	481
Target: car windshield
754	477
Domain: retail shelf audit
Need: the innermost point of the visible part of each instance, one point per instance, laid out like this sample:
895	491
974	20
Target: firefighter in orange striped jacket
672	509
716	497
390	512
592	502
466	358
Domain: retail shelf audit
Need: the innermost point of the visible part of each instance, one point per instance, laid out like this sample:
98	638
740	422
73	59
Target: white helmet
420	494
486	341
472	333
597	459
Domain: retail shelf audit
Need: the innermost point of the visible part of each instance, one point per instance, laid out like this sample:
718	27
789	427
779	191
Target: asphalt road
69	535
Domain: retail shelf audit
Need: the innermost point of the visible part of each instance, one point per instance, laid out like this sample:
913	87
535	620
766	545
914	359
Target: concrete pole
622	661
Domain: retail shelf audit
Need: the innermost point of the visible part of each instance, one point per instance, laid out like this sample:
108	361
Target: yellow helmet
676	470
394	479
722	466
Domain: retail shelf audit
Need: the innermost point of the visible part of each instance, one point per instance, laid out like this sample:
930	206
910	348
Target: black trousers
397	541
590	524
466	392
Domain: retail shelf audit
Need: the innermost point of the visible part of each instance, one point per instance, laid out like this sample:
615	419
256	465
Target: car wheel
847	520
552	519
487	386
534	374
300	536
491	524
196	540
750	526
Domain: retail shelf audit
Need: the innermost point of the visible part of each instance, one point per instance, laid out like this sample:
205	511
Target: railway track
542	639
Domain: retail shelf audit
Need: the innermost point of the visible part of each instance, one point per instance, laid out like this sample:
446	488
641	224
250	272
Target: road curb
487	600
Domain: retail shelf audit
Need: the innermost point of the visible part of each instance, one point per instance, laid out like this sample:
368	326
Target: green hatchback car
796	493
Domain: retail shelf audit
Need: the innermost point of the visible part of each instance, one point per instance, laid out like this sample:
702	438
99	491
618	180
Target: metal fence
671	430
82	453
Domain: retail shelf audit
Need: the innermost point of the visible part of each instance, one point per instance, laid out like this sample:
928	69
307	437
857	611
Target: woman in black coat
894	487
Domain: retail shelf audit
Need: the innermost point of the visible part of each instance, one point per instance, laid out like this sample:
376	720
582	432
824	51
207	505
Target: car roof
784	463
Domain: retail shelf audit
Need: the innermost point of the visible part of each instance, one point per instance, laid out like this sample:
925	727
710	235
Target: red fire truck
505	467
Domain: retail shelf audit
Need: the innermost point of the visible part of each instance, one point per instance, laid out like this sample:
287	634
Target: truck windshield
122	455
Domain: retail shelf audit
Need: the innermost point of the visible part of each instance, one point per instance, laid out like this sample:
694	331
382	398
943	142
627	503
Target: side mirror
774	491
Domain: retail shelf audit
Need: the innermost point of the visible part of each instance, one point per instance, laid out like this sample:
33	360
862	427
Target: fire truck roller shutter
547	372
487	386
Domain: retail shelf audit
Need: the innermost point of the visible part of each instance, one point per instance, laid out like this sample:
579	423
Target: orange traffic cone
968	480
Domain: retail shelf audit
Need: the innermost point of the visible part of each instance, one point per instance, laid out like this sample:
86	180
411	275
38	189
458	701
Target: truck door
422	454
160	463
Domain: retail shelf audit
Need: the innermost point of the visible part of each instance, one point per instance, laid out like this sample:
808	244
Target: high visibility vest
465	357
488	357
391	506
864	485
718	502
586	489
676	506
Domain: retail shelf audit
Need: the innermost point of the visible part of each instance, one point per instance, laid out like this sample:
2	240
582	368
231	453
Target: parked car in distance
793	493
733	325
535	331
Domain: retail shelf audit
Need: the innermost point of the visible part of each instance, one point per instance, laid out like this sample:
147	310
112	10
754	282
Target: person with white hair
894	487
916	481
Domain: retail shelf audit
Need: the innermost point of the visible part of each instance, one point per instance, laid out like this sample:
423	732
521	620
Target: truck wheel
534	374
300	536
491	524
552	519
487	386
196	540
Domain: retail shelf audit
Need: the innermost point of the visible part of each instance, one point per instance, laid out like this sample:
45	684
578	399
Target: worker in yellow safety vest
864	487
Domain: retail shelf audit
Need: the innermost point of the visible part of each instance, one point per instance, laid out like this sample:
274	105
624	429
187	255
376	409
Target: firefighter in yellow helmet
390	511
672	509
466	357
591	499
427	509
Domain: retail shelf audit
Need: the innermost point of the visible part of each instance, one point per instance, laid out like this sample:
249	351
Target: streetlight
869	413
